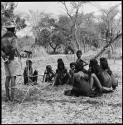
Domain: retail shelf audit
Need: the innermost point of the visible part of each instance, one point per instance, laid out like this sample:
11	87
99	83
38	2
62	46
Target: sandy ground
50	105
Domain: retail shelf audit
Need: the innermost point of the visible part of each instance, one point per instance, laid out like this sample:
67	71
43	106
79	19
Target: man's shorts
11	68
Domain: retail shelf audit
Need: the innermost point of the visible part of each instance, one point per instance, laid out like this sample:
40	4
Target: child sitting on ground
62	76
28	74
48	74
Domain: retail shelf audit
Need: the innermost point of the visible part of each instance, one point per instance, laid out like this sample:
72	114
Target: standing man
9	51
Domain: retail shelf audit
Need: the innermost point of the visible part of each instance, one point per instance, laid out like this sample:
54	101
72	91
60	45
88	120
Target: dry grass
50	105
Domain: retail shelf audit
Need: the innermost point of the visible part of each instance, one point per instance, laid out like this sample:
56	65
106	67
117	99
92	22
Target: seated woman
62	76
28	74
48	74
108	73
84	83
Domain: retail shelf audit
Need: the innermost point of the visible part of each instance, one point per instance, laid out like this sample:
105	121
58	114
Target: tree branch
107	45
50	43
67	10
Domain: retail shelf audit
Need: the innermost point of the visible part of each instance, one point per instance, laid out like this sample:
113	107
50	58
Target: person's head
103	59
48	68
104	63
93	63
73	65
28	63
79	54
59	60
94	66
61	65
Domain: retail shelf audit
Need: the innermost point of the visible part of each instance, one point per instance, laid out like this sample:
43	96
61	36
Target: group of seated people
96	80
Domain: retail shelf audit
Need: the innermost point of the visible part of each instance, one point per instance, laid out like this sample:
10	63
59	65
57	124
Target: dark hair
103	59
72	64
9	34
93	62
59	60
78	51
48	67
104	65
95	68
61	64
28	62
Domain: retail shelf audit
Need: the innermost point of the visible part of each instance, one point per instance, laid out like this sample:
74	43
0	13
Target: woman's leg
91	82
95	80
35	76
66	79
7	82
25	80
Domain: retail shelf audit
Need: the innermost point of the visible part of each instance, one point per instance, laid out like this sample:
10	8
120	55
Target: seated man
28	74
48	74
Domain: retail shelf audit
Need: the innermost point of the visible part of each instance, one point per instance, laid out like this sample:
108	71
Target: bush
39	51
25	41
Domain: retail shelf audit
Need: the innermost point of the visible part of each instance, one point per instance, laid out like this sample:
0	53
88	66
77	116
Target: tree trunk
77	43
109	54
84	44
112	48
36	41
54	50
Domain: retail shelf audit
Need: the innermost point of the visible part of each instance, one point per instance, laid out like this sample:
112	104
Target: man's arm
84	63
